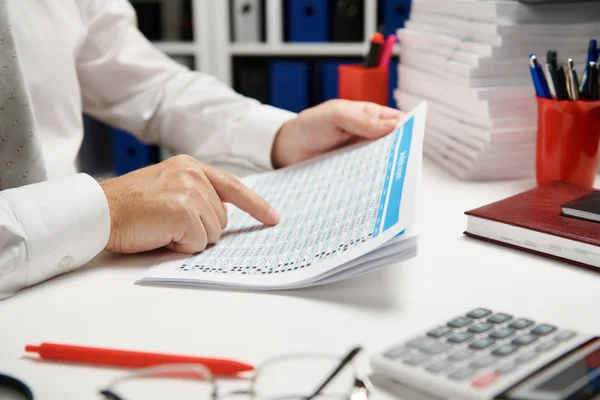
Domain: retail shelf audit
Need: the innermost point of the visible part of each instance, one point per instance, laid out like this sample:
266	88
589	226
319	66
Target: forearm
50	228
193	113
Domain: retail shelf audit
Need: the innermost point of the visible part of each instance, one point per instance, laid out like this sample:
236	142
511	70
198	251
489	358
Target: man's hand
329	126
177	203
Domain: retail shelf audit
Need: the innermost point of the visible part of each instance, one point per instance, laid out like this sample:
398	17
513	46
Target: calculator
483	355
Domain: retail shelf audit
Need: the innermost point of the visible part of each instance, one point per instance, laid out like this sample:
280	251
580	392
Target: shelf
293	49
177	48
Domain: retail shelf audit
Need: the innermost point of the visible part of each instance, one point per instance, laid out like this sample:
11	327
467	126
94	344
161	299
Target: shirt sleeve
49	228
129	83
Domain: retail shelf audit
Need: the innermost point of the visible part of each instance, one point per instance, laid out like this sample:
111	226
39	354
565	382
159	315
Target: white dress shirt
88	56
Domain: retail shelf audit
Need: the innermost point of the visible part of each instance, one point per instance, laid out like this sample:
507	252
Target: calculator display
574	377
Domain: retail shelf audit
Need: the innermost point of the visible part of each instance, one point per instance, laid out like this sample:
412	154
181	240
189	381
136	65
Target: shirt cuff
253	137
66	224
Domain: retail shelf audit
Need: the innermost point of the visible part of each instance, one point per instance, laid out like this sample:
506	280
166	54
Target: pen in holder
356	82
568	141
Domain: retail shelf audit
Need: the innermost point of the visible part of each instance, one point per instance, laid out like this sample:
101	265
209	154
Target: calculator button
461	354
482	343
564	336
460	322
439	366
480	328
543	329
416	359
505	350
500	318
397	352
525	339
507	368
439	332
549	345
483	362
429	345
525	358
521	323
485	380
479	313
460	337
461	373
502	333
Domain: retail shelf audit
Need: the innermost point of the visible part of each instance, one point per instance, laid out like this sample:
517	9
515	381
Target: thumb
367	120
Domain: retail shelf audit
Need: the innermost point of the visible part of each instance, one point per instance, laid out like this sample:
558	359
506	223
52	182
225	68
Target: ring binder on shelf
247	21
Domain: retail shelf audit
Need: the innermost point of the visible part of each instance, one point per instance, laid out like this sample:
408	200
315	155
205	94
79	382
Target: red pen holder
568	141
355	82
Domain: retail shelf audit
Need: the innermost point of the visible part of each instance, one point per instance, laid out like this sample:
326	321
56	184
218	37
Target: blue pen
539	91
592	56
592	51
542	80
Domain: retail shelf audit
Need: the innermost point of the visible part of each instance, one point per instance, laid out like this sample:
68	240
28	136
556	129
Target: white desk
100	306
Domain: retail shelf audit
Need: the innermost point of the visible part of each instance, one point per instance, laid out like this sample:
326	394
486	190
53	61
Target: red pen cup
355	82
568	141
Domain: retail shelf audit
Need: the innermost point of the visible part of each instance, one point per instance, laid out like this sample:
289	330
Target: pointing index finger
233	191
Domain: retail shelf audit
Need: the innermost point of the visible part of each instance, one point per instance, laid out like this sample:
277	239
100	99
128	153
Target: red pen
387	52
132	359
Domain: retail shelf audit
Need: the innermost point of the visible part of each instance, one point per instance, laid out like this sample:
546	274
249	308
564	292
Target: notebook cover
540	209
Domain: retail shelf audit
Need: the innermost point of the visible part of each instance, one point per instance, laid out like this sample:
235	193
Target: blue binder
393	82
289	84
129	153
394	13
328	77
307	20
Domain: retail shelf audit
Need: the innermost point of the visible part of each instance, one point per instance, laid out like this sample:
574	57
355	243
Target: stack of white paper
469	59
342	215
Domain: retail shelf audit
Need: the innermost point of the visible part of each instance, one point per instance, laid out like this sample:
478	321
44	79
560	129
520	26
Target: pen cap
568	140
355	82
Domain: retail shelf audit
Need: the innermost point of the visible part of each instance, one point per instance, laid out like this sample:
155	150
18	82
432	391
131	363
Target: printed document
342	214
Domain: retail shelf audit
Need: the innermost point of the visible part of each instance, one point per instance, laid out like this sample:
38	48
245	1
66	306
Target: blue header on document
388	212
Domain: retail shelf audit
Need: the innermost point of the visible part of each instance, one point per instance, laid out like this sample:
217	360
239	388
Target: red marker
372	58
387	52
131	359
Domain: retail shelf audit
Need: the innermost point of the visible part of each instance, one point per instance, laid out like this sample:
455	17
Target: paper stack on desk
343	214
469	59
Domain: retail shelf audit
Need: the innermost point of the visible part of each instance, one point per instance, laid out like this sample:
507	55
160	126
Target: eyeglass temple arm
341	366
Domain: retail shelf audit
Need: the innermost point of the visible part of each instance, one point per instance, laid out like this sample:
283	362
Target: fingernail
273	216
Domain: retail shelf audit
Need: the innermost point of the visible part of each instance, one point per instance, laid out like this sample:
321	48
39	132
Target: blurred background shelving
280	52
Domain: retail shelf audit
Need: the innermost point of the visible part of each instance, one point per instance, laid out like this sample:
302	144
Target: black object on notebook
585	207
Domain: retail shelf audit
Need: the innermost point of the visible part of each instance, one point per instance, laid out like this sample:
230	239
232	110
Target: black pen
558	76
592	84
376	43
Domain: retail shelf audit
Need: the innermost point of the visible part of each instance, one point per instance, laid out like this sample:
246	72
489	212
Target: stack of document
469	59
343	214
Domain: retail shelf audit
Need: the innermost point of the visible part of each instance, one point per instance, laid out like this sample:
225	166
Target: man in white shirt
88	56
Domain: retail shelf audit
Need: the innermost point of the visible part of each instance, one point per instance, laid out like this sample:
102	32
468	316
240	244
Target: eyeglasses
14	389
287	377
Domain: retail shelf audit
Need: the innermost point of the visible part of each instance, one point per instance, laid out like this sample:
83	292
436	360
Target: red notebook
533	221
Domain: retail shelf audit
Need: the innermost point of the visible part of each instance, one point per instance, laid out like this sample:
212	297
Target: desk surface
99	305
